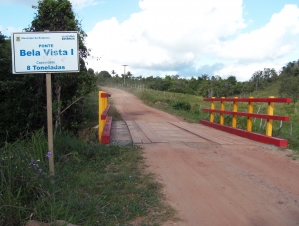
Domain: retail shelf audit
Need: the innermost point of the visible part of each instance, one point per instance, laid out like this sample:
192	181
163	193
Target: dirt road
211	177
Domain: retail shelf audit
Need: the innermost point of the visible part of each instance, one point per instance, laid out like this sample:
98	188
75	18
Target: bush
182	105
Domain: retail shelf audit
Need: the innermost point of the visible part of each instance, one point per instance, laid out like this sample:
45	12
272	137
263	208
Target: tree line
204	85
207	86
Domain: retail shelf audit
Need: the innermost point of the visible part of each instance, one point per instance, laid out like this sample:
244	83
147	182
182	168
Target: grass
287	130
94	184
91	118
168	102
114	113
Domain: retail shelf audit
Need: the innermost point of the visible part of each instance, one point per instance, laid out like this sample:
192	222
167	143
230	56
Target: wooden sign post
50	124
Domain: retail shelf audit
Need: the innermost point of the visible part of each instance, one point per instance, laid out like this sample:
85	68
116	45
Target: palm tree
113	73
129	74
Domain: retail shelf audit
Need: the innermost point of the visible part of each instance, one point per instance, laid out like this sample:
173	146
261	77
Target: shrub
182	105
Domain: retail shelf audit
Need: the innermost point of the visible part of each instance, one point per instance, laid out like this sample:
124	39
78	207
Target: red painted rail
103	95
265	100
264	116
104	115
268	139
106	134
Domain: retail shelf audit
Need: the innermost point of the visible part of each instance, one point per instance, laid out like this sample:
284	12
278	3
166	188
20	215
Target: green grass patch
114	113
91	109
86	130
183	105
94	184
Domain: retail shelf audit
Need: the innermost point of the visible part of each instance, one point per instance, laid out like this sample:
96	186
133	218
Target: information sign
45	52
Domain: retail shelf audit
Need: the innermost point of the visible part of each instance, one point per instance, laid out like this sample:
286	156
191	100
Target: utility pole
125	73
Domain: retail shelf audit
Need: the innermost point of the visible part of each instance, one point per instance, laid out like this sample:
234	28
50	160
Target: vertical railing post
270	121
235	109
212	115
249	119
101	109
222	107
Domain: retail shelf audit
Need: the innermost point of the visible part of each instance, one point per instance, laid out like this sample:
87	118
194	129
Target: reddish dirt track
211	177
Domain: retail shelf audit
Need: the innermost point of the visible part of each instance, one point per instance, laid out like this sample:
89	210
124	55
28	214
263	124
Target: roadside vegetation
93	184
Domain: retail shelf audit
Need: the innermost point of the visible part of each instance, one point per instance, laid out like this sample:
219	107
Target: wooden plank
223	135
137	134
172	133
134	134
197	132
151	134
120	132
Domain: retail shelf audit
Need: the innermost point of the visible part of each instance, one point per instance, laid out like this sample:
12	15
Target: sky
188	38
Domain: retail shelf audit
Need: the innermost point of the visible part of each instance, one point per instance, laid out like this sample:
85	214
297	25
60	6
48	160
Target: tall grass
22	177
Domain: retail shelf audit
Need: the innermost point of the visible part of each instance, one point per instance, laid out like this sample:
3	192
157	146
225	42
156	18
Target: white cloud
166	33
245	71
179	35
274	40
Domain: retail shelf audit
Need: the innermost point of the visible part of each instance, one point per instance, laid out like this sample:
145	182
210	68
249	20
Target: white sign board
45	52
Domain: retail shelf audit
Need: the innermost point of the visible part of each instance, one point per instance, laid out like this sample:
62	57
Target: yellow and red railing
105	122
268	139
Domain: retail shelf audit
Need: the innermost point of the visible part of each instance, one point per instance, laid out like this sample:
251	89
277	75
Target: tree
22	98
57	15
289	85
129	75
104	74
90	71
256	79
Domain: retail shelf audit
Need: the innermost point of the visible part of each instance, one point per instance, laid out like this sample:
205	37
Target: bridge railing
105	122
268	139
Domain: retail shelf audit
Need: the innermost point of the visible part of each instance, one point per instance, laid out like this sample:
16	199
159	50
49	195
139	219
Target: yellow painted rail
105	122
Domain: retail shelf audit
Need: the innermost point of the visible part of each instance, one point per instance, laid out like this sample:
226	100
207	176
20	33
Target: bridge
209	176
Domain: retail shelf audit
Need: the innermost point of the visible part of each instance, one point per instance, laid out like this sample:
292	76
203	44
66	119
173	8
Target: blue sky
185	37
